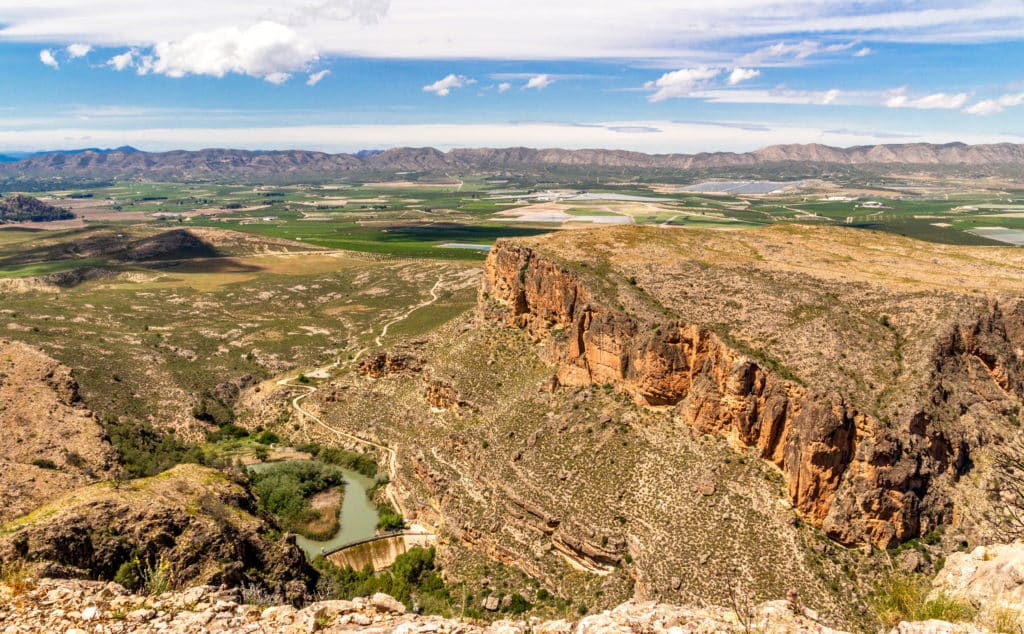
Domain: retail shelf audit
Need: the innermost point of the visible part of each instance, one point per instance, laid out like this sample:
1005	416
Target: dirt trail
289	382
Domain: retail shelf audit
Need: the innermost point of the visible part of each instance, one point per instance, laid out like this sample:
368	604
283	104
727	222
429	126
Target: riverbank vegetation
286	490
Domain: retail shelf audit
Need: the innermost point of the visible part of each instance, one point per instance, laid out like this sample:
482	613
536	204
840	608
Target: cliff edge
868	368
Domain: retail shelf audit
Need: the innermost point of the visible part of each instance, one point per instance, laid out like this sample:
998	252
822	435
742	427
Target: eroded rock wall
852	475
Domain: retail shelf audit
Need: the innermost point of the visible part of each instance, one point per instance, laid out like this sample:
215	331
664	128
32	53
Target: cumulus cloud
936	101
443	87
277	78
267	50
46	57
122	61
742	74
680	83
864	52
539	82
78	50
995	106
315	78
504	87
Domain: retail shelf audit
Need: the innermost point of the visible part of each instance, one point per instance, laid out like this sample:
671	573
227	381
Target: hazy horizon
651	76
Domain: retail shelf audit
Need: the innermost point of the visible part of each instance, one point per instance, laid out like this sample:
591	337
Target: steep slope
52	442
190	525
868	391
300	165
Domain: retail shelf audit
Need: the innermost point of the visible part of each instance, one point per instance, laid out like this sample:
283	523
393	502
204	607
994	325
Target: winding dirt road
290	382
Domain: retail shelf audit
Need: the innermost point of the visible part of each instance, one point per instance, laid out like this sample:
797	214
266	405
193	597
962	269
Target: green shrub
268	438
355	461
519	604
284	489
146	451
44	463
899	597
388	519
413	575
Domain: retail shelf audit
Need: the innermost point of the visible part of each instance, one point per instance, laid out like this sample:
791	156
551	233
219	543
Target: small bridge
380	551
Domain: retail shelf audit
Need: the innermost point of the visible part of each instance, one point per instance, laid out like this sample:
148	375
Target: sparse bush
518	605
146	451
44	463
388	519
268	438
14	575
900	597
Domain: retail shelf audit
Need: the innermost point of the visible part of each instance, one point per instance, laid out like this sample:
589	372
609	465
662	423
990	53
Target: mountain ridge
220	162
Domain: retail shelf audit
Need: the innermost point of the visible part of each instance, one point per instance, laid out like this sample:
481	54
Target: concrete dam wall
380	552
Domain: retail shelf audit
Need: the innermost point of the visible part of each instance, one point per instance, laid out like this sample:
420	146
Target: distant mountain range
297	165
11	157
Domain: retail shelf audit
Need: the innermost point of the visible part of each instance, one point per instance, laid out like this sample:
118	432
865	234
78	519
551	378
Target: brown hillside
42	419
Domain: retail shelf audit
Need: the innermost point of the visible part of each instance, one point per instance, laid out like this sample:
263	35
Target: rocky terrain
298	165
625	390
988	579
77	607
188	525
52	441
868	393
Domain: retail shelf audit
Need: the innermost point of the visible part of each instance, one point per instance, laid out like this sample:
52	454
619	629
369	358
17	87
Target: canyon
860	468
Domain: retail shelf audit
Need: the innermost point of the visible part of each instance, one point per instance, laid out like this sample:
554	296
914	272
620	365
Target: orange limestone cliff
851	475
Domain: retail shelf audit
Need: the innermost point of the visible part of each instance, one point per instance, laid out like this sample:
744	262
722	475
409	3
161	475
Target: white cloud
443	87
278	78
936	101
316	77
995	106
46	57
864	52
544	29
268	50
504	87
784	52
742	74
779	96
539	82
122	61
78	50
680	83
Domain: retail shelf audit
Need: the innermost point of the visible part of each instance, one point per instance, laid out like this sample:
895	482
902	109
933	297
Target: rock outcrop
384	363
850	469
188	525
76	607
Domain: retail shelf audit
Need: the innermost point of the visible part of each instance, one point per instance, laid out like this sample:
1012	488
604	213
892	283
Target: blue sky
650	75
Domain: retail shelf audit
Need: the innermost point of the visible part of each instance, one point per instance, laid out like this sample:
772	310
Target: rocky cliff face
848	472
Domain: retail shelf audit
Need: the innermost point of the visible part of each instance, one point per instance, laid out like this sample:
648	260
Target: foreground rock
185	526
80	606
